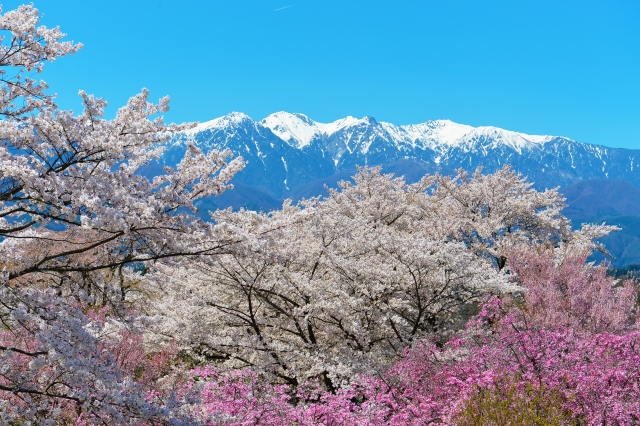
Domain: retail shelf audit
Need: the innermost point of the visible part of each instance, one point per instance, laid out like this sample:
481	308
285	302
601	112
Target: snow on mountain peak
498	136
441	135
431	134
231	119
296	129
336	126
299	130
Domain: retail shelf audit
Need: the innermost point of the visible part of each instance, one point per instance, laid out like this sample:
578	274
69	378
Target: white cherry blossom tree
496	211
76	217
336	287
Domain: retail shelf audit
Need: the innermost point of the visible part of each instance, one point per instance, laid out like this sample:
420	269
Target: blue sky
568	68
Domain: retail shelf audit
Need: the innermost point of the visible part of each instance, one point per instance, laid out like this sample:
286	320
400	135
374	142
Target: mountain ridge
286	150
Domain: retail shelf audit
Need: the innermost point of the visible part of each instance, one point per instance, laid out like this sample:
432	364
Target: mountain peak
369	120
231	119
296	129
499	136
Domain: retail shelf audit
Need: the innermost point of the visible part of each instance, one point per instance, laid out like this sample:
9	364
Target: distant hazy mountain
601	199
290	155
615	202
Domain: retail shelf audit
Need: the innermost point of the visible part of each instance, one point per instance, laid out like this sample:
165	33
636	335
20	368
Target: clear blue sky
568	68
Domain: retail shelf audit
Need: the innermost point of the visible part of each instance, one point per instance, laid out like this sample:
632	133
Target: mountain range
289	155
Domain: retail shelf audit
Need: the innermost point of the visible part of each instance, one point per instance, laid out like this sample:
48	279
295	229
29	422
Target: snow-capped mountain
284	151
439	135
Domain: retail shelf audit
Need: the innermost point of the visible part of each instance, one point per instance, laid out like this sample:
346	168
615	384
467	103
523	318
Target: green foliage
506	404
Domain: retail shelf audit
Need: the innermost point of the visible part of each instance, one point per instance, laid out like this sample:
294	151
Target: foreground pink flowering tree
561	375
510	366
563	290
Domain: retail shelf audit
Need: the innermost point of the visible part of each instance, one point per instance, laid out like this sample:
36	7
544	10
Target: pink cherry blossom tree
511	365
562	290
